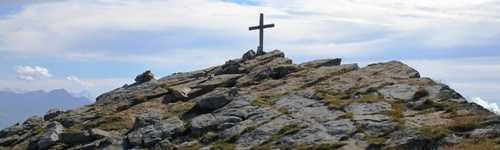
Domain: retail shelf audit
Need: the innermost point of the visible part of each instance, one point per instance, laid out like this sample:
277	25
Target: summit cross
261	28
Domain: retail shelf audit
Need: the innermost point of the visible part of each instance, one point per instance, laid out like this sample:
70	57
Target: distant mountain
16	106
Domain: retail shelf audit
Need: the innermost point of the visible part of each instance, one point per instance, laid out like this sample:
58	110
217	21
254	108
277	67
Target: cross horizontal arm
258	27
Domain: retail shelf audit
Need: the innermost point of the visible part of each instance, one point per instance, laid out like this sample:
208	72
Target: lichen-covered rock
321	63
264	101
145	77
50	135
149	130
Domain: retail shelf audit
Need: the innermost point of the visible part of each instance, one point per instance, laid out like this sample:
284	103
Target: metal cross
261	28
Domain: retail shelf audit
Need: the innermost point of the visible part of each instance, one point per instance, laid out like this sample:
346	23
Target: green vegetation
478	144
376	140
75	128
325	146
464	123
348	115
396	114
196	146
223	145
434	132
267	99
339	101
283	110
286	130
112	123
178	108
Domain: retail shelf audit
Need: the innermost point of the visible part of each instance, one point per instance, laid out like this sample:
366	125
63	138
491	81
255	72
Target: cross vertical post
261	27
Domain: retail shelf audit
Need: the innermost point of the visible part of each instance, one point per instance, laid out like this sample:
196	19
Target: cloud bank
32	72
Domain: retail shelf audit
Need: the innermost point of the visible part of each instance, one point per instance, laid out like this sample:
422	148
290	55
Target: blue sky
98	45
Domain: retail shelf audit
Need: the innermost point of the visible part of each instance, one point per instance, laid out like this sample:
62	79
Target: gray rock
145	77
340	127
249	55
321	63
216	99
399	91
176	94
227	80
230	67
32	122
409	139
368	108
76	137
52	113
99	134
203	123
50	135
104	144
281	71
152	130
485	133
263	133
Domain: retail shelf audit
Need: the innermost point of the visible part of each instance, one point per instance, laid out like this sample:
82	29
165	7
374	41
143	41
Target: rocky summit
264	101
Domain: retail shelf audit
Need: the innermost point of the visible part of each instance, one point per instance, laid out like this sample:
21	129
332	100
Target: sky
99	45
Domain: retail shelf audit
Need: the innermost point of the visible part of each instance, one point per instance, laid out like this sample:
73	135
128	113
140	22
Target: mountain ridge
19	105
264	101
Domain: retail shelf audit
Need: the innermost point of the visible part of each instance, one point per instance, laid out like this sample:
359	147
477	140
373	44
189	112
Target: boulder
32	122
203	123
216	99
227	80
399	91
177	94
145	77
321	63
230	67
149	130
281	71
52	113
75	137
50	135
409	139
340	127
248	55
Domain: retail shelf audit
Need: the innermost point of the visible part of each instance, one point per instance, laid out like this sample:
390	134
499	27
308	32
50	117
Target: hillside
17	106
266	102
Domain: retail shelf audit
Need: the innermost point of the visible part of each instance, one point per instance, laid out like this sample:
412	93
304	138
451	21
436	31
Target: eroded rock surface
264	101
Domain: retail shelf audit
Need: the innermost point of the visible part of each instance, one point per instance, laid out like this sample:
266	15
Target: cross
261	28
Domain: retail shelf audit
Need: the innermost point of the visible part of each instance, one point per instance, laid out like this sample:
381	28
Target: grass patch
482	144
396	114
325	146
286	130
113	123
75	128
348	115
335	102
283	110
369	98
464	123
178	108
434	132
267	99
223	145
376	140
196	146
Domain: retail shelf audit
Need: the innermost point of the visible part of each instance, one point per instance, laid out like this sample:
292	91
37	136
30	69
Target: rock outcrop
264	101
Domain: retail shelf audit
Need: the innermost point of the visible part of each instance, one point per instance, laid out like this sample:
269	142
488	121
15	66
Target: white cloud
77	80
32	72
493	107
328	25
